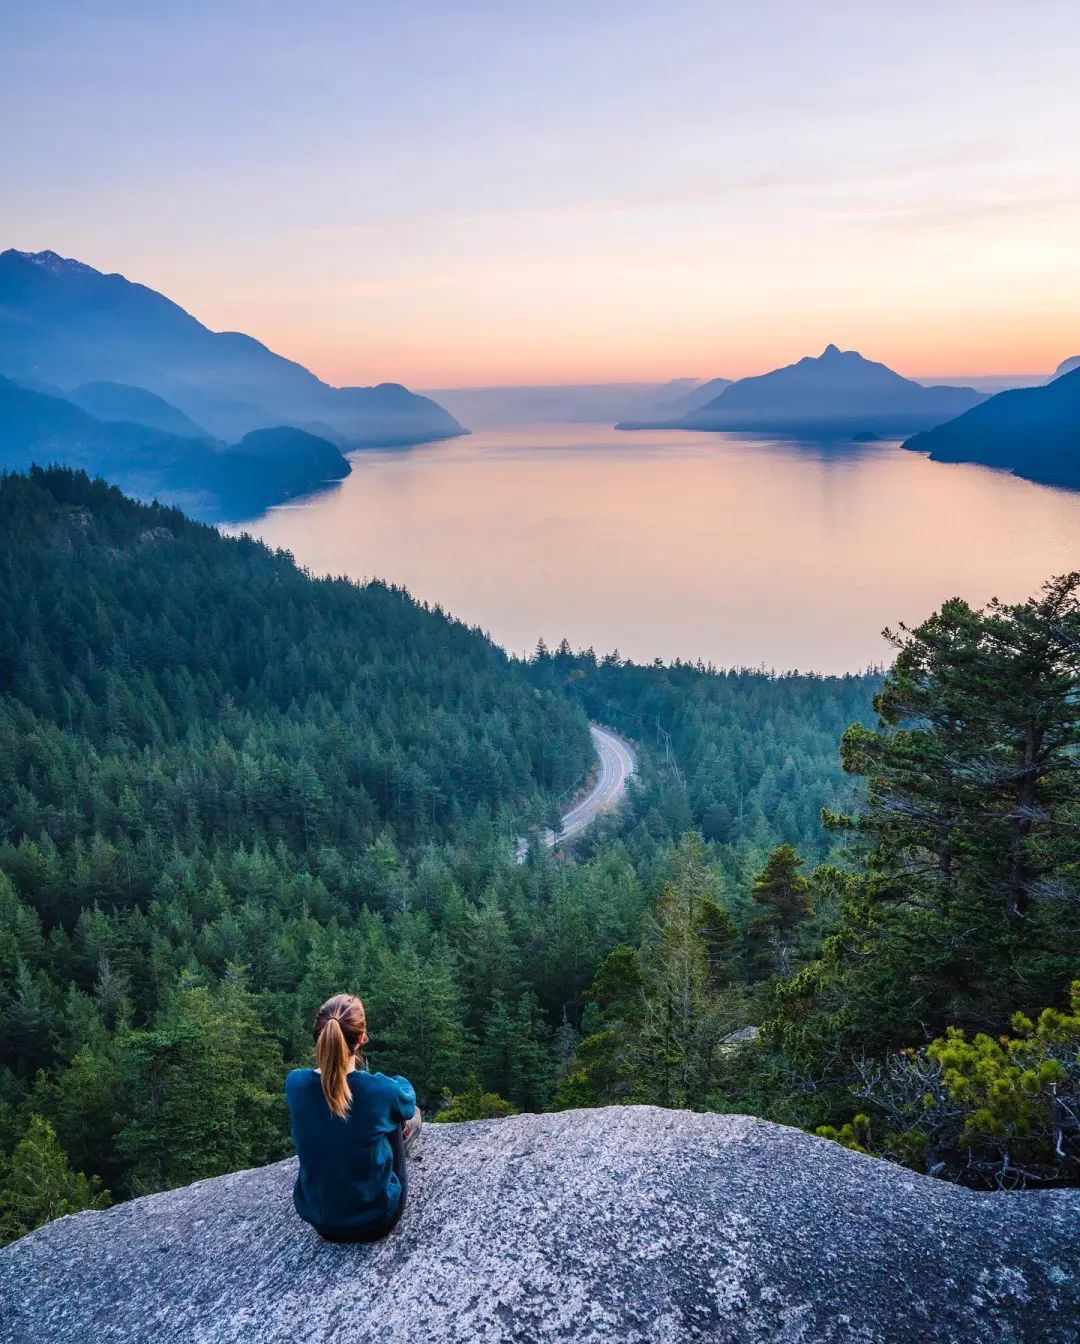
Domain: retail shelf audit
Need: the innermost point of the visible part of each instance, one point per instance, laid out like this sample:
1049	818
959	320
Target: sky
509	192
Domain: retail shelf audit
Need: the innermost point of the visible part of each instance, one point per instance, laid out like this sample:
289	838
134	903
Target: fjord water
738	551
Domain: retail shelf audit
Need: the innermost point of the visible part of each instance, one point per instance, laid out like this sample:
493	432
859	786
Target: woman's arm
403	1104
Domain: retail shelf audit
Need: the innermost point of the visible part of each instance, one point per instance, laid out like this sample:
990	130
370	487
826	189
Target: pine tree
203	1088
657	1014
431	1045
29	1020
783	894
515	1058
683	952
38	1185
964	911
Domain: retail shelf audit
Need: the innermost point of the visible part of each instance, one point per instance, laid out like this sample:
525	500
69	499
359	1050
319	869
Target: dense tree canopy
966	909
746	757
229	790
887	980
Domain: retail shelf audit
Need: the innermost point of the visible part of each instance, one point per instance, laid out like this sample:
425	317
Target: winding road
617	764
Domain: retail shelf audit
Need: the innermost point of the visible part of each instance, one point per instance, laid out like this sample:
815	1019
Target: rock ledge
629	1224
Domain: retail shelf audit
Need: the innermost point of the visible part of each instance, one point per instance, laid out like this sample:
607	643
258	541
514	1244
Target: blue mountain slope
117	401
212	480
663	411
63	322
1033	432
838	393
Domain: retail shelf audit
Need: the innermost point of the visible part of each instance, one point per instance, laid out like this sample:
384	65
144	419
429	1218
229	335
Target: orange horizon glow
1000	298
486	195
478	333
499	368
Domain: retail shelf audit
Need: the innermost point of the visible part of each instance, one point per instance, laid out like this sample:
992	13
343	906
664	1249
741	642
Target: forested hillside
747	758
240	699
919	996
229	790
210	761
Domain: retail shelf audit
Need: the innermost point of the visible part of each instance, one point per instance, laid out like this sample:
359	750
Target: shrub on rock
1001	1113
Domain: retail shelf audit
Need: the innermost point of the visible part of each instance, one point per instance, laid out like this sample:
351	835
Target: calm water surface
668	544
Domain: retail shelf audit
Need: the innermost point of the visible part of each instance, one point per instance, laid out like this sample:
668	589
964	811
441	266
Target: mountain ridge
693	399
67	323
837	393
119	401
211	479
1034	432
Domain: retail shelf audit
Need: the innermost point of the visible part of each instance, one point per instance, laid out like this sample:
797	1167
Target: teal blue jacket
346	1180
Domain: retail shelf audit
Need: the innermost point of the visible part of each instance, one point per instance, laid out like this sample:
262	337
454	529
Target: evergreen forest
229	790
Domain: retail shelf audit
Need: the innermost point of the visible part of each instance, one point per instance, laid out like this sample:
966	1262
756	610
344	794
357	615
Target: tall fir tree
965	911
204	1087
37	1184
781	895
683	957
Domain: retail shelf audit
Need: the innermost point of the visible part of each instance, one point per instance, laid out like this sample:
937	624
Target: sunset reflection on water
668	544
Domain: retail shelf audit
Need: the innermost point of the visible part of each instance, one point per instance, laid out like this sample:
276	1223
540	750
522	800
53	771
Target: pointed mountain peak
829	351
56	264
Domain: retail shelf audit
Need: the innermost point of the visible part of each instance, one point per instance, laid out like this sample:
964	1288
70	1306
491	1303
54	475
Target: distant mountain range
116	401
569	403
693	400
211	480
838	394
65	324
991	383
1033	432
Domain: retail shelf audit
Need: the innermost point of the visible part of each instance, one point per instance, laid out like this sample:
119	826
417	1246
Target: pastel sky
575	190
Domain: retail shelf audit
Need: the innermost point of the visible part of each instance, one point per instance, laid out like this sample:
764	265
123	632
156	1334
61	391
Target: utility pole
669	754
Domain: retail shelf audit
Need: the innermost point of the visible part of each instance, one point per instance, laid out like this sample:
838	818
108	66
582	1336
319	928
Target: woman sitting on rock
351	1130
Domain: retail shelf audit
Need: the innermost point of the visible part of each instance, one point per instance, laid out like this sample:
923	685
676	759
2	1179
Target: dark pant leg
401	1171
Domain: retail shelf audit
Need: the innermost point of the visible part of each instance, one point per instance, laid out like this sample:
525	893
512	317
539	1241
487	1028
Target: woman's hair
340	1031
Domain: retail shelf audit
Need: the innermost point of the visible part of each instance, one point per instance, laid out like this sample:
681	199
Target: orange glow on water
681	545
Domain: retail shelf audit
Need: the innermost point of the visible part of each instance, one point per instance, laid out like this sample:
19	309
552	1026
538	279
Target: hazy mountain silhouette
558	403
210	479
1033	432
692	400
67	324
839	393
1067	366
117	401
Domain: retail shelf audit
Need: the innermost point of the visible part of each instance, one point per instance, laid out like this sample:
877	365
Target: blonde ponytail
340	1031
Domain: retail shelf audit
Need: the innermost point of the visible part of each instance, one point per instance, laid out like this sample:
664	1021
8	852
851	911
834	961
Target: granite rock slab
629	1224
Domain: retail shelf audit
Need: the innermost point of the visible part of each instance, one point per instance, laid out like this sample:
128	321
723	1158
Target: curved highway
617	764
